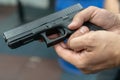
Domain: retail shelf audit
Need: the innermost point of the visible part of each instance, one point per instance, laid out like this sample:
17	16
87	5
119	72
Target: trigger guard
63	35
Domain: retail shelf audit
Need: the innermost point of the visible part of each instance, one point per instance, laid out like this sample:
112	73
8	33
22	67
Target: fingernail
83	30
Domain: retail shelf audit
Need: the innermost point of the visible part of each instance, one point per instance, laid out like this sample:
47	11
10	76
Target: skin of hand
112	5
100	17
93	51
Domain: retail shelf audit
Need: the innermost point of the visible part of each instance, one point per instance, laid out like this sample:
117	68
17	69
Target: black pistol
43	27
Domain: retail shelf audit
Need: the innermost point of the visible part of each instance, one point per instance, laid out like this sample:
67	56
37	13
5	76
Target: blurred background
35	61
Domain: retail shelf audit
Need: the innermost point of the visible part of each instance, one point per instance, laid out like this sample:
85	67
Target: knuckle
91	38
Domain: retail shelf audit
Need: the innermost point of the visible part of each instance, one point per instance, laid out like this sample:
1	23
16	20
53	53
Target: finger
64	45
79	32
78	59
66	54
81	42
82	17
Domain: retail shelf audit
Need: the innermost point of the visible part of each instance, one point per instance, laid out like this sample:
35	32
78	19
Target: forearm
112	5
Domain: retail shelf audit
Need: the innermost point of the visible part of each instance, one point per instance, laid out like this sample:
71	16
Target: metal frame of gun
41	28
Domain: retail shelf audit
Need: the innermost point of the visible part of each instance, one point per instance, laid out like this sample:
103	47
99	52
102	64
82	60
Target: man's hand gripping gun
55	23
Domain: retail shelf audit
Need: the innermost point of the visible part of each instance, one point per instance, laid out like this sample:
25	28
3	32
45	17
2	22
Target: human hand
92	52
97	16
114	8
